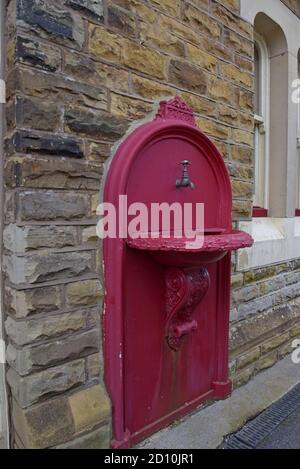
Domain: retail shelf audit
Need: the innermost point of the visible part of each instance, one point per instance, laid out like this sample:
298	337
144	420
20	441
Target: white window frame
262	128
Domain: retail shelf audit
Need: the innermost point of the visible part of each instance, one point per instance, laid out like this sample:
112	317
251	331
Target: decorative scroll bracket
176	109
185	289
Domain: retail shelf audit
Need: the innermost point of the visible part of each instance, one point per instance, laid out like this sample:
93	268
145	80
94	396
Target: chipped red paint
151	384
227	241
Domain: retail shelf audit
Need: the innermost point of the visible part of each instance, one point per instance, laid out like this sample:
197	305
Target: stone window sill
275	240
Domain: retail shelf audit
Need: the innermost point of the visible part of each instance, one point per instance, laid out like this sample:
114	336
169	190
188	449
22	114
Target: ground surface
286	436
208	427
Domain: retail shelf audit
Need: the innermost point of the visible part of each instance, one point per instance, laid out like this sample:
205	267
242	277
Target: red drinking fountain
166	320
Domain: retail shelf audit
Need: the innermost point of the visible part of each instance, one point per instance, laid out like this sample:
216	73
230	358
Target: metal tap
185	179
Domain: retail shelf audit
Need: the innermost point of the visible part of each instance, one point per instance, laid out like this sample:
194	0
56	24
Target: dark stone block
187	76
51	17
28	142
37	54
38	115
54	173
51	205
122	21
100	125
90	7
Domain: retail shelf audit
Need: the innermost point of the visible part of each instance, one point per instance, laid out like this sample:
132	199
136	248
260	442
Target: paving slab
207	428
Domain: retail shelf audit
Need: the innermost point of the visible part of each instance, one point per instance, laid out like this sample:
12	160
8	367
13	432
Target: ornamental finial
176	108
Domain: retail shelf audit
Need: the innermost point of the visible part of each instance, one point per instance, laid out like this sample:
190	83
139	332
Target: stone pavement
207	428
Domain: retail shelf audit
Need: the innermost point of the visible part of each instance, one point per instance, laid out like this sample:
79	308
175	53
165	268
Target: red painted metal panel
259	212
166	316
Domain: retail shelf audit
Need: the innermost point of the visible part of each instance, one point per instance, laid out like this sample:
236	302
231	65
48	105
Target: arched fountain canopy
146	166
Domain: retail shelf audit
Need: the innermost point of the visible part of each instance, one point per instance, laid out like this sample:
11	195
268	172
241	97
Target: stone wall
265	318
78	73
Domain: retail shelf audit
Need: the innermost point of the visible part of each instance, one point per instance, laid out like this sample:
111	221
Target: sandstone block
169	6
246	294
94	365
144	60
240	171
260	274
154	36
86	292
267	361
232	21
23	303
44	425
238	43
242	378
274	343
129	107
213	128
255	306
135	6
177	28
34	358
89	235
51	205
149	88
89	407
47	266
199	20
248	358
221	90
200	104
242	154
244	333
243	137
234	74
98	439
201	59
245	100
244	64
104	44
284	350
237	280
241	209
30	389
233	5
295	331
29	331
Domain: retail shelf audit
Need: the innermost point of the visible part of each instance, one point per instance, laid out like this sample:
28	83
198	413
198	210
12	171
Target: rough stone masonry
78	73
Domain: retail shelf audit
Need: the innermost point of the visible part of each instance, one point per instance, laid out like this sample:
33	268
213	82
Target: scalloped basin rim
223	242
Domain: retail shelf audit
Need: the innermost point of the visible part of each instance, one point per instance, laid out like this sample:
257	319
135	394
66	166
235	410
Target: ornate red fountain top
176	109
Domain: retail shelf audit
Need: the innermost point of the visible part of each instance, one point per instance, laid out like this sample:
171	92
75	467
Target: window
261	127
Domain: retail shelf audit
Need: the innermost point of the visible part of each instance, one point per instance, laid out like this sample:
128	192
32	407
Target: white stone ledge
275	240
2	92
